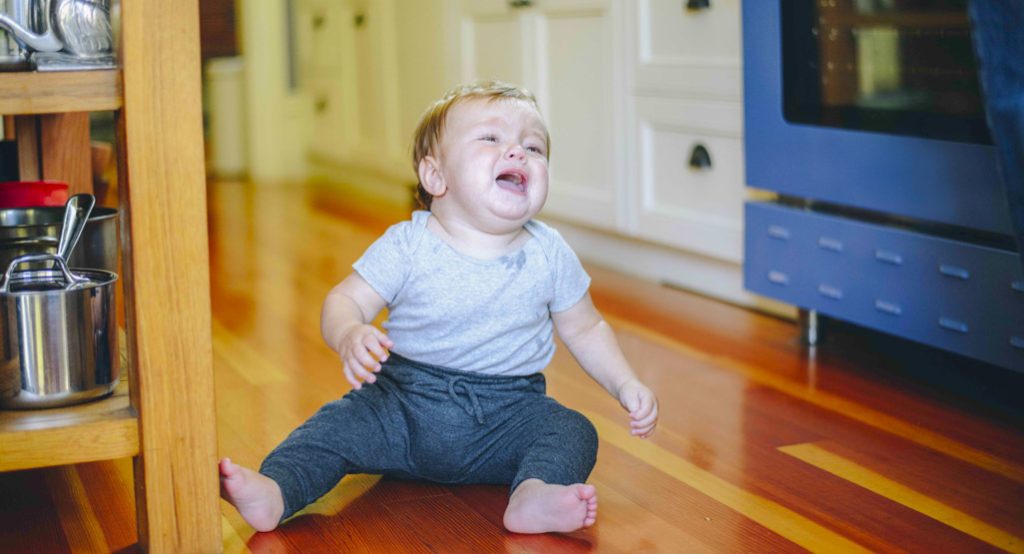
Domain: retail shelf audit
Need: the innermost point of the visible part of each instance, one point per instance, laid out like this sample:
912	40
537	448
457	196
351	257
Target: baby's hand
360	348
642	406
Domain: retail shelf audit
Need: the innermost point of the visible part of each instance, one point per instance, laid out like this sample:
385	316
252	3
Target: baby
453	391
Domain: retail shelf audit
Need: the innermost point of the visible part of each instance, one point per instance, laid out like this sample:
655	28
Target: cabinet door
373	86
318	40
492	42
575	64
346	66
562	51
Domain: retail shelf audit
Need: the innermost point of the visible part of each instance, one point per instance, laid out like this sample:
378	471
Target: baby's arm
592	342
345	325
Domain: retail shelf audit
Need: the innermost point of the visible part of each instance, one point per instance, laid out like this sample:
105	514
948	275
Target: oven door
879	110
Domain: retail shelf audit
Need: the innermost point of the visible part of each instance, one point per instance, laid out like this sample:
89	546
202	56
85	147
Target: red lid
28	194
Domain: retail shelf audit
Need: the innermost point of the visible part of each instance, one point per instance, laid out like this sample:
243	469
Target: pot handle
70	279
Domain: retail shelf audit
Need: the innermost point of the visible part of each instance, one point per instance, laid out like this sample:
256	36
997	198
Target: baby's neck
475	242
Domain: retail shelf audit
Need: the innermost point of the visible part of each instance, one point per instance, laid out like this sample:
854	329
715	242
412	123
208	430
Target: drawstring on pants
473	407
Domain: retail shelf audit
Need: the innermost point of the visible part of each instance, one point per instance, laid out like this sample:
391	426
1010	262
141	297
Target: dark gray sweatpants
426	422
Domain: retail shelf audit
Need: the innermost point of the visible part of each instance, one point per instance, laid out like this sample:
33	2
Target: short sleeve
385	265
570	279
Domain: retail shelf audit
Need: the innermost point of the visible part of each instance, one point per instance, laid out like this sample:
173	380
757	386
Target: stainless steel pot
36	230
59	343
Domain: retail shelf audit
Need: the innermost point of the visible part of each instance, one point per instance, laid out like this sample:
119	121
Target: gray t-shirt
456	311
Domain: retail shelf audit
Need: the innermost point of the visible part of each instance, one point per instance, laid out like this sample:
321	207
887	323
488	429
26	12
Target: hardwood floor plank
897	492
879	420
954	481
985	496
74	510
772	515
364	524
446	524
233	543
716	526
628	526
257	370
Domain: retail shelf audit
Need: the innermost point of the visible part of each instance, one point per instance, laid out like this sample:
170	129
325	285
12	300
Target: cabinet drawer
956	296
688	176
676	50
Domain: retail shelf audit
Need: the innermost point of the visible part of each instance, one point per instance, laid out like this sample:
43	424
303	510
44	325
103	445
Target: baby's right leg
256	497
363	432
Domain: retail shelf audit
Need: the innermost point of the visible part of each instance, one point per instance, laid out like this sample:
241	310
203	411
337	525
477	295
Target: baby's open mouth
514	181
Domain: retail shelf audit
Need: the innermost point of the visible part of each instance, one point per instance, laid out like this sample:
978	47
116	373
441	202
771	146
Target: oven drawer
957	296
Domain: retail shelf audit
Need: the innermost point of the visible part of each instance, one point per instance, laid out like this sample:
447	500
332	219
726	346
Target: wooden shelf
32	92
100	430
162	185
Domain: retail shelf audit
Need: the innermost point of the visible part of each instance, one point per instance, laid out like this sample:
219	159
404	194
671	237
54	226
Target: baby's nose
516	152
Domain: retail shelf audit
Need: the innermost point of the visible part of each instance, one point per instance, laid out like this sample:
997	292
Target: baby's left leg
549	493
539	507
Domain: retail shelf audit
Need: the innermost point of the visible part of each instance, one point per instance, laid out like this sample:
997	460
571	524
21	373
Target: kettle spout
46	42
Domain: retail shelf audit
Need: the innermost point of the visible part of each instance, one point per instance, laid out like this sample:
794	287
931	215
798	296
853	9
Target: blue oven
866	118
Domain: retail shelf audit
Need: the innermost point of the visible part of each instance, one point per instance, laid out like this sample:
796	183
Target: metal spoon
76	214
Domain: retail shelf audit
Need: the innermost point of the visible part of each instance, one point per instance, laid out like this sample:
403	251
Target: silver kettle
79	27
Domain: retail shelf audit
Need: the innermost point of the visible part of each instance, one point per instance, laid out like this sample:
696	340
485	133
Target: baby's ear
430	176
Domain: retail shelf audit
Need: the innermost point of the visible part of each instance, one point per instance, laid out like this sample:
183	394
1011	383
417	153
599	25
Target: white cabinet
629	88
685	121
565	52
345	64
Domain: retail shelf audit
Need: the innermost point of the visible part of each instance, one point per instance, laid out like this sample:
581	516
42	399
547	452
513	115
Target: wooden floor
764	446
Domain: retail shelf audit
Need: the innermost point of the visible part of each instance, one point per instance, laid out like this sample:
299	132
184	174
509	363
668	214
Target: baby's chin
514	216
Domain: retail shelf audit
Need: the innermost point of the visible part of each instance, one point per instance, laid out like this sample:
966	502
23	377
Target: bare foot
537	507
255	496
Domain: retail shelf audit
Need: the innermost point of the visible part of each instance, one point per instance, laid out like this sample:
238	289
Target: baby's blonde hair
431	127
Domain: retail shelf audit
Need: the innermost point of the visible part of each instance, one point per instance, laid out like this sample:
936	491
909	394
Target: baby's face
494	161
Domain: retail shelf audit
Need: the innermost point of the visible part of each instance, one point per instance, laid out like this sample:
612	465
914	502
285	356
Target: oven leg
811	327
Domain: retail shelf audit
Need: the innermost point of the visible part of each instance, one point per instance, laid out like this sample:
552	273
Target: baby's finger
375	347
645	431
644	422
364	373
366	361
646	406
384	339
350	377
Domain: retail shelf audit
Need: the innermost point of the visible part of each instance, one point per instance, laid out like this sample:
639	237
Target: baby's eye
489	138
535	149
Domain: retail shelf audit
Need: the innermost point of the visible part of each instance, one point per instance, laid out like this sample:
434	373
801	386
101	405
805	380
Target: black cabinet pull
700	158
520	3
694	5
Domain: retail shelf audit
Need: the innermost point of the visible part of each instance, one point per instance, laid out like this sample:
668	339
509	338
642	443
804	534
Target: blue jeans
425	422
998	30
